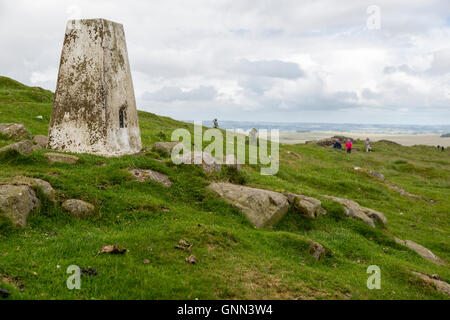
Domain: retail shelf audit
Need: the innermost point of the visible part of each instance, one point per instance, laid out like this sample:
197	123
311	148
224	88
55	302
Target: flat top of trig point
95	20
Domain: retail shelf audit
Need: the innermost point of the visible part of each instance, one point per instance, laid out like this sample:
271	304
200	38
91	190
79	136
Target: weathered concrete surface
94	110
261	207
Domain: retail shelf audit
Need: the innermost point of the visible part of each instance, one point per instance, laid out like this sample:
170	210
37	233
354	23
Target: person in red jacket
349	146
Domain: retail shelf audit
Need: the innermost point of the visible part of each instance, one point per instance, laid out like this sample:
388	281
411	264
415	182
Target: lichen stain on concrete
94	84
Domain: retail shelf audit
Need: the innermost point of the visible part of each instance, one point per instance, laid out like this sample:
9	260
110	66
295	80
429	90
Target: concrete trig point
94	110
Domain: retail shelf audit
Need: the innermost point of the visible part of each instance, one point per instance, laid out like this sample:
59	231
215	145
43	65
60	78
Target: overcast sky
293	61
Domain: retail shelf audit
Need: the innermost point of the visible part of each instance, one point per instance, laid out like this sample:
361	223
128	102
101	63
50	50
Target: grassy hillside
235	260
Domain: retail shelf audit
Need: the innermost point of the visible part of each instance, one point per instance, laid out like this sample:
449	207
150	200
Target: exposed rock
39	117
308	206
261	207
403	192
17	202
377	175
33	182
40	140
355	211
78	208
421	251
145	174
165	146
230	160
14	130
191	259
60	157
440	285
207	161
24	147
316	250
328	142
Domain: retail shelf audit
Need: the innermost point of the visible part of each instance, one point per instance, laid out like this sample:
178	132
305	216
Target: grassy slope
235	260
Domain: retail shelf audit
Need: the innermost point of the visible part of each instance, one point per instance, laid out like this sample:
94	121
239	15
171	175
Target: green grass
235	261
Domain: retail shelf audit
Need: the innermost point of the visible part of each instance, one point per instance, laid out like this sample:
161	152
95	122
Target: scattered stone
262	207
438	284
88	272
355	211
40	140
183	245
14	131
328	142
230	160
34	182
308	206
24	147
403	192
421	251
39	117
146	261
146	174
115	249
165	146
17	202
4	293
78	208
377	175
191	259
62	158
316	250
205	159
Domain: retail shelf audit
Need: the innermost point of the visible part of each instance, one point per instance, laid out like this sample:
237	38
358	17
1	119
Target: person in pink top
349	146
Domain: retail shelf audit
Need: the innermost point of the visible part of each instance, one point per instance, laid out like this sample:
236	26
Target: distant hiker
367	144
442	148
337	145
216	123
349	146
438	146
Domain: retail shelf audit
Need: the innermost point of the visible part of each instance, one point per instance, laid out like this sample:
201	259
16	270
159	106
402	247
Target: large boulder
24	147
34	183
261	207
146	174
62	158
78	208
165	146
17	202
205	159
308	206
355	211
40	141
421	251
14	131
434	281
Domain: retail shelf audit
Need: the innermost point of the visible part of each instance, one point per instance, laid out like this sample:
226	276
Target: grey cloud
272	69
441	62
168	94
401	68
370	95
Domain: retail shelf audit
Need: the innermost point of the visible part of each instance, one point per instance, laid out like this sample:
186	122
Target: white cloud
284	60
